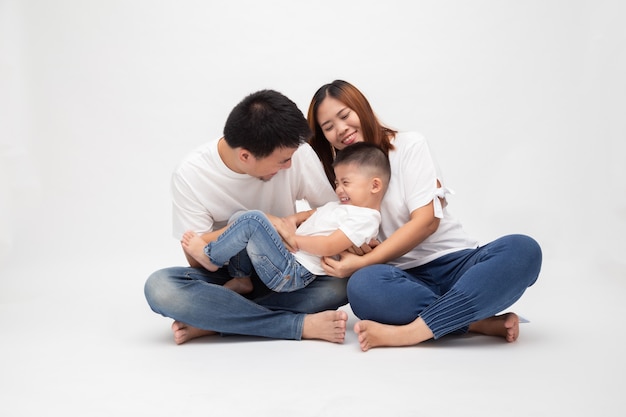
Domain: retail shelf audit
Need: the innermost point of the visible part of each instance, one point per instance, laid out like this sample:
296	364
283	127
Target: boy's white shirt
360	225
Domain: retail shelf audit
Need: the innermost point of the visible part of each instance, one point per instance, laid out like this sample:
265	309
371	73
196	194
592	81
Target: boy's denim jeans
252	243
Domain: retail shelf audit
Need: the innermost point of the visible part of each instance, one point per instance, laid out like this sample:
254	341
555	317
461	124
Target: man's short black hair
265	121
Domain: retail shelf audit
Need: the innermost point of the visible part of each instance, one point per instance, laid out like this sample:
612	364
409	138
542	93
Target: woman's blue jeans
251	243
196	297
451	292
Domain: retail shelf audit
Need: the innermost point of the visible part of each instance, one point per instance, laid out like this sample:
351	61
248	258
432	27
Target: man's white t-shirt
206	193
413	184
359	224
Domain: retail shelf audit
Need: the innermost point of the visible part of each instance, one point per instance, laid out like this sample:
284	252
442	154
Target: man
261	163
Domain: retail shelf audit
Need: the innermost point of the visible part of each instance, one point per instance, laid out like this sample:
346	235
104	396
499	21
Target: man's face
265	168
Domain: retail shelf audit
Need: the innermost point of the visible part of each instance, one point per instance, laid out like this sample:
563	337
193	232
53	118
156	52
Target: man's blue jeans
196	297
451	292
251	243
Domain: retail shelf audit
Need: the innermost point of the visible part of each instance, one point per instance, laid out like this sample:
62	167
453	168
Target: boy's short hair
368	156
265	121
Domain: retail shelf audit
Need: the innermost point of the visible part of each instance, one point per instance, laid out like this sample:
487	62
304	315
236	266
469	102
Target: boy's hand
364	248
345	266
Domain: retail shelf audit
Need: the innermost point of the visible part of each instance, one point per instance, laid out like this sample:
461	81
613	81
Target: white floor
94	349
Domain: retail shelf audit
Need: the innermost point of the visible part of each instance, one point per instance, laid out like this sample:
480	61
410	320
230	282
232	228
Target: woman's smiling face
340	124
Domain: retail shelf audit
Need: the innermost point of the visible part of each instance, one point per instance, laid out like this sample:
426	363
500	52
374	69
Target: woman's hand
349	261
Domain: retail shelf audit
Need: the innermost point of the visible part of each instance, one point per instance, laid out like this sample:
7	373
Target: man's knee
330	293
157	289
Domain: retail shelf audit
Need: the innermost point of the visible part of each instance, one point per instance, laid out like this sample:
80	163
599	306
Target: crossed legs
372	334
326	325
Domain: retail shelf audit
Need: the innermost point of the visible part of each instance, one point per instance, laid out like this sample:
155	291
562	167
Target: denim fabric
196	297
252	241
451	292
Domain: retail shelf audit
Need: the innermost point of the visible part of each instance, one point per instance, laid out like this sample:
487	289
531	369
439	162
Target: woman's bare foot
184	332
328	325
241	285
194	246
373	334
505	325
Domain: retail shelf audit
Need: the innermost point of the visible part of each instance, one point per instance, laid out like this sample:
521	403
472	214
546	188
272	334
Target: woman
427	277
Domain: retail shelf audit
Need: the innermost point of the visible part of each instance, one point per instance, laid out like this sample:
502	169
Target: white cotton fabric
360	225
205	192
413	184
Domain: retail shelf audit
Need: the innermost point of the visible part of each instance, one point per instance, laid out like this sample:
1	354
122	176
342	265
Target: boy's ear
377	185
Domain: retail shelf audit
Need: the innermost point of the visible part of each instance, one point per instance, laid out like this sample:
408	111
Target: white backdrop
522	101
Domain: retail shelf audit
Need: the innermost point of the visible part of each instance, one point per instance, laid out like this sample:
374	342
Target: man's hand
286	228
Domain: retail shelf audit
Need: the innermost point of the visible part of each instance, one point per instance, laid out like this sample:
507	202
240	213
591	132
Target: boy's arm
330	245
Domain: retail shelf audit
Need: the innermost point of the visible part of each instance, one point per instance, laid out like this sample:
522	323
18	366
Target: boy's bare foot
241	285
184	332
194	246
505	325
373	334
328	325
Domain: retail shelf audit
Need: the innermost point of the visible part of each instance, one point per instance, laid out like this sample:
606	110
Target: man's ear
244	155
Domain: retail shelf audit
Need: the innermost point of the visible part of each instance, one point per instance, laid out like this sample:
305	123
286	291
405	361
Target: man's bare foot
505	325
194	246
241	285
373	334
328	325
184	332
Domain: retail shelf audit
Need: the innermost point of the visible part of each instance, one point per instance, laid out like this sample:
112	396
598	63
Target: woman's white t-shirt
413	184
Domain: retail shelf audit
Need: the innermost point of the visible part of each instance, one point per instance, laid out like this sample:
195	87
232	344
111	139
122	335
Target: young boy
251	241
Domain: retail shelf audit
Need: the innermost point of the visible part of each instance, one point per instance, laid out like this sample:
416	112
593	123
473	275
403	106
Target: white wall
523	102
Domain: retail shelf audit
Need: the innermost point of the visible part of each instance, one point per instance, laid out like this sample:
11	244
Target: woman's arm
422	224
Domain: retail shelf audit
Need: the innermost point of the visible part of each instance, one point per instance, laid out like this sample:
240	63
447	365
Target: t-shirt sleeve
359	224
187	211
419	174
313	187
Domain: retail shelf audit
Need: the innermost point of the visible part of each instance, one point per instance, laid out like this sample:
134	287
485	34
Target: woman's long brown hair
373	131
